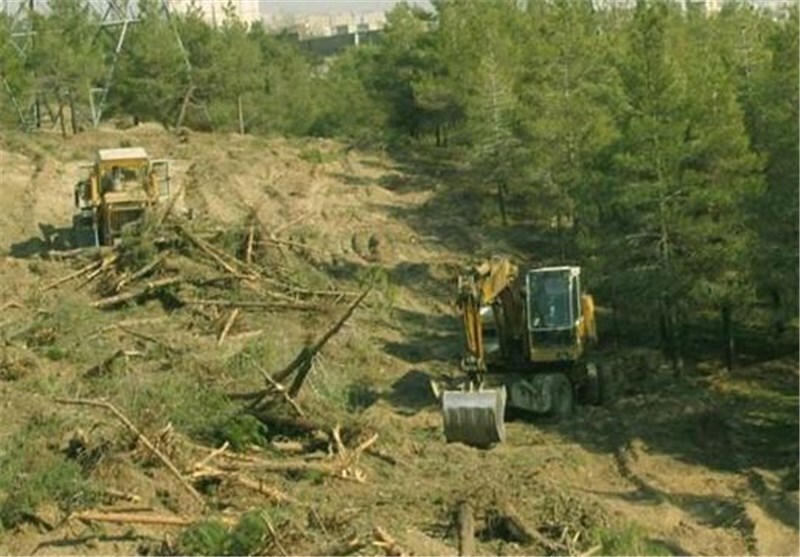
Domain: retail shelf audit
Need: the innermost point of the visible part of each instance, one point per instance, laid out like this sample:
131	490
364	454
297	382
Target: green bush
239	430
31	473
317	156
628	540
137	245
248	537
204	538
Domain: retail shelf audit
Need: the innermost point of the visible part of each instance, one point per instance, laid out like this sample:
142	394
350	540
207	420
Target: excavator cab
554	314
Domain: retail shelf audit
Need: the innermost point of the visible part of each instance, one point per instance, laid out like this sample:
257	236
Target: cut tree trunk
727	336
466	529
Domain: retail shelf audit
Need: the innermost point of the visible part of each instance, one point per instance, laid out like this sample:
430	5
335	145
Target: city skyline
302	7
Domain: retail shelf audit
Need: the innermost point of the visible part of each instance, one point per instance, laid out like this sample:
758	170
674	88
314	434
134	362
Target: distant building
214	10
325	25
703	6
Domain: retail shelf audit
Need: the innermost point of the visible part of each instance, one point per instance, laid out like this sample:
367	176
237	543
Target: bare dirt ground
703	465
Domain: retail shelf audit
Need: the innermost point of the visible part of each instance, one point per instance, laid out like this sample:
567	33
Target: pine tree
16	83
774	128
569	88
153	77
66	59
235	73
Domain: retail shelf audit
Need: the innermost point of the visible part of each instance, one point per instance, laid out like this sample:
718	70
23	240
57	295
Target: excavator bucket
475	418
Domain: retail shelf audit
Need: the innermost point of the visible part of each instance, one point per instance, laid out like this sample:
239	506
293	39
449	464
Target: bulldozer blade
475	418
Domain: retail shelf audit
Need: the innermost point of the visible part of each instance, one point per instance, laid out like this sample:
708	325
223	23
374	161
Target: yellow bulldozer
526	337
122	185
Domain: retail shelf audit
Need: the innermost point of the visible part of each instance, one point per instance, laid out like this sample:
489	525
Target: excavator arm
475	416
487	284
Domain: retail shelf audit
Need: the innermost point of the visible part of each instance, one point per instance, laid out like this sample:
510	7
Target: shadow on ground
52	239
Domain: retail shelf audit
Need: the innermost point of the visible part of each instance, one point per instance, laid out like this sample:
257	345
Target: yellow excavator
526	340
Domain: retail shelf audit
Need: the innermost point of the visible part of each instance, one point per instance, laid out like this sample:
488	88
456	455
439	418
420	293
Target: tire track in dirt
707	519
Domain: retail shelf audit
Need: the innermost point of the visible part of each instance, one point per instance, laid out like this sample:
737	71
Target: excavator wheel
475	418
563	398
593	389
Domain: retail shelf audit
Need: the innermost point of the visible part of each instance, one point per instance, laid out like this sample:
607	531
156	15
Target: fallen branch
236	477
250	304
105	366
132	518
149	288
289	243
104	266
141	272
82	271
292	447
274	534
169	205
248	252
591	551
125	323
302	363
379	454
278	466
211	456
290	223
344	547
69	254
247	334
518	531
212	253
342	470
131	509
387	543
148	338
139	435
130	497
227	327
280	389
10	304
466	529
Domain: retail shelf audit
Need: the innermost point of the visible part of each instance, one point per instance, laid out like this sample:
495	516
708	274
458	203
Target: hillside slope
703	465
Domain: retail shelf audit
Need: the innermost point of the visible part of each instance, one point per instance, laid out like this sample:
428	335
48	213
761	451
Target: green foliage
204	538
316	156
240	430
628	540
347	84
249	536
32	473
153	76
137	243
66	59
17	82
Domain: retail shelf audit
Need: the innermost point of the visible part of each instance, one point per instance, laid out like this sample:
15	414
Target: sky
326	6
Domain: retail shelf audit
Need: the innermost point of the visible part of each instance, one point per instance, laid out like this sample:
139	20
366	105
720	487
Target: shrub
239	430
204	538
248	537
31	473
628	540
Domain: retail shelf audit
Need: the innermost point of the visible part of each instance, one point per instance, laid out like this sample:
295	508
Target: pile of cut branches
185	265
